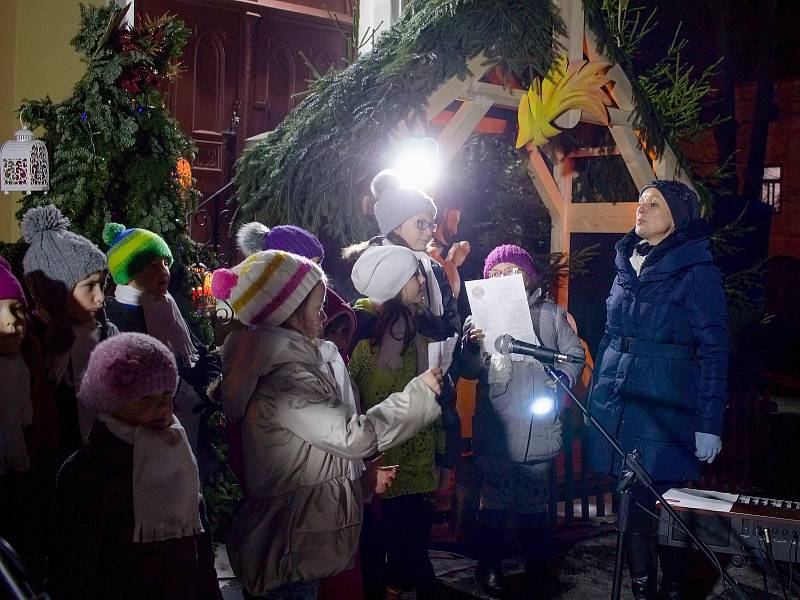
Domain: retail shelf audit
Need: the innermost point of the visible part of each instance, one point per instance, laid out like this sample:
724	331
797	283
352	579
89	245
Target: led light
416	160
542	406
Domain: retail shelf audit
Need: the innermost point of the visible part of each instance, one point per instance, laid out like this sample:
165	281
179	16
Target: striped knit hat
131	250
267	287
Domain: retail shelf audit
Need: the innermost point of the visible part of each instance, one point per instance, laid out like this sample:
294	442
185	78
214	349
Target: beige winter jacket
302	518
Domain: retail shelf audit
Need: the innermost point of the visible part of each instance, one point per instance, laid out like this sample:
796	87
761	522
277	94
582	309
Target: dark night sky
697	17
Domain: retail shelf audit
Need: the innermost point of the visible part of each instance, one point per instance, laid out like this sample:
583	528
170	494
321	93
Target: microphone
505	344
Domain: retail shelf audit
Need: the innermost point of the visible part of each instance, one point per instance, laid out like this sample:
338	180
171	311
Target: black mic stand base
632	473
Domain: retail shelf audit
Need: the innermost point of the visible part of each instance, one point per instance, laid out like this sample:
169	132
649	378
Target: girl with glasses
516	429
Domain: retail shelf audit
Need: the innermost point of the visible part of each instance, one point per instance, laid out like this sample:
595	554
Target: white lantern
24	165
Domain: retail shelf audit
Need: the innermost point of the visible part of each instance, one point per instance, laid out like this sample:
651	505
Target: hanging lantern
24	164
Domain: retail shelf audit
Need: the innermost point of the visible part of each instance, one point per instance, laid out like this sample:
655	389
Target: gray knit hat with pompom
57	259
397	203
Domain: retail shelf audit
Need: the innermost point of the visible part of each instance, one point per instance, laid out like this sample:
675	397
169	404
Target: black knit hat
682	201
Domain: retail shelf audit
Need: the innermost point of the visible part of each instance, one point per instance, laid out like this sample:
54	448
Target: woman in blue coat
662	364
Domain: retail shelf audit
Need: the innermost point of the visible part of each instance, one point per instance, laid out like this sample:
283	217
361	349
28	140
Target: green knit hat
131	250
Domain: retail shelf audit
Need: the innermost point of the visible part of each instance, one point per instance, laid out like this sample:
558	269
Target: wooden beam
500	96
622	90
454	88
616	116
602	217
545	184
572	14
666	166
509	98
460	127
637	162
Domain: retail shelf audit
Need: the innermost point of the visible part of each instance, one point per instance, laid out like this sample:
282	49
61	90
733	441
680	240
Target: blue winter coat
662	365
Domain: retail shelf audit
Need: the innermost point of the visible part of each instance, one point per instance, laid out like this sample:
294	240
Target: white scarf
163	320
636	260
333	363
434	294
87	336
166	485
17	412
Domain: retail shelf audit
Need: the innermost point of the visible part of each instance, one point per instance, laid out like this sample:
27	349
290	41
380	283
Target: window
771	187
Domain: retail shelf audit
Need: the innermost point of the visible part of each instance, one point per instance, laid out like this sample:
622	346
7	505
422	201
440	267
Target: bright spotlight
417	162
542	406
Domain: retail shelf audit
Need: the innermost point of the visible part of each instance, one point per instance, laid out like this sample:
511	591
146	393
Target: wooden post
572	14
461	126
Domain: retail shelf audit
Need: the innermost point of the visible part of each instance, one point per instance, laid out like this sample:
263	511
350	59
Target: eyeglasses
422	225
509	271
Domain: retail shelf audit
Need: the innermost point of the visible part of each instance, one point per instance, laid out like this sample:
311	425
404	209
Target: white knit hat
382	271
267	287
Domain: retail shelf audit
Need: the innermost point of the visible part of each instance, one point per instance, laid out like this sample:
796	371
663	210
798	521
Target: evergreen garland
113	145
313	169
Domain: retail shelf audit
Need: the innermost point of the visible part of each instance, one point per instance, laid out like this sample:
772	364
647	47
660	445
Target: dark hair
393	311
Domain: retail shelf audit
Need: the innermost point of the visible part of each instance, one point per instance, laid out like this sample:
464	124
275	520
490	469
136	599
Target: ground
586	573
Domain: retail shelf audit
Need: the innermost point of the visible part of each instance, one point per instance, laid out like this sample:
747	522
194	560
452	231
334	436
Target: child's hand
433	379
385	478
476	336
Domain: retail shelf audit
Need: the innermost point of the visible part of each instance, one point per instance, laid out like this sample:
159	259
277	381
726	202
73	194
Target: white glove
708	446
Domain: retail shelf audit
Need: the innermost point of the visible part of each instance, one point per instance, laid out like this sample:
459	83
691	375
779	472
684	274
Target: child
16	410
127	510
407	217
255	237
65	273
304	437
391	355
339	327
16	414
515	440
139	261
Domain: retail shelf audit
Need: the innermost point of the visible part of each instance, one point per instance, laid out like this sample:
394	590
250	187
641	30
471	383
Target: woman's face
653	217
309	321
413	292
417	231
506	269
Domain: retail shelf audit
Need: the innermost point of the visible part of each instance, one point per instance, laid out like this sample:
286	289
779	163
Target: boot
489	572
642	564
541	578
673	561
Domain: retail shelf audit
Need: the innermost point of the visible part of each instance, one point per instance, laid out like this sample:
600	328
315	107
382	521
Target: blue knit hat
682	201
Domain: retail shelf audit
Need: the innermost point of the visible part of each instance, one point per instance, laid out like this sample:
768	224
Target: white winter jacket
302	518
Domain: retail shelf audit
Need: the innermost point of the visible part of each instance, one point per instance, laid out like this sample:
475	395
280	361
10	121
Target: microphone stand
632	473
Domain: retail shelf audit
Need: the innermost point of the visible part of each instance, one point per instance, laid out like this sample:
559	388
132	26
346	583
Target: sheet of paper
440	354
700	499
500	306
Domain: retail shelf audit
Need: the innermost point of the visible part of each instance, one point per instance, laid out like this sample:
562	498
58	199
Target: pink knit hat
509	253
266	287
10	287
124	368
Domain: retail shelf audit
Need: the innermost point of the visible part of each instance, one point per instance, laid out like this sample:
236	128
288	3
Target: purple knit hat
124	368
256	237
509	253
9	284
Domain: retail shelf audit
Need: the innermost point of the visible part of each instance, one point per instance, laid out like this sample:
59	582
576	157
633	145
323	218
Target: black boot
642	564
673	561
489	571
541	578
